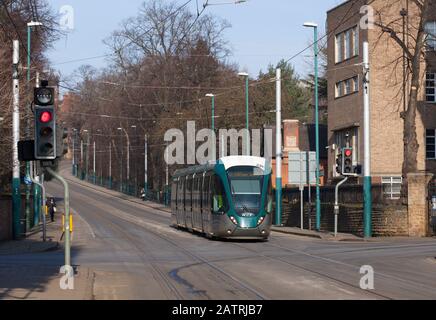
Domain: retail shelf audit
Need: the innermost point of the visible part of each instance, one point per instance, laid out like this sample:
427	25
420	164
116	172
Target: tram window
269	198
246	188
206	191
219	200
195	193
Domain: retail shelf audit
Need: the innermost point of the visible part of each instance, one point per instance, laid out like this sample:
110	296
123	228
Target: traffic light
339	163
347	160
45	124
61	143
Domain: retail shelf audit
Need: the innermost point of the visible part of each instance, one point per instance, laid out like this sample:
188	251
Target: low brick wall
386	221
6	221
389	218
5	218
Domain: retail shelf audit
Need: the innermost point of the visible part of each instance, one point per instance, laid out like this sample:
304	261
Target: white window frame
339	89
348	44
389	182
356	43
430	84
356	84
427	136
339	44
347	87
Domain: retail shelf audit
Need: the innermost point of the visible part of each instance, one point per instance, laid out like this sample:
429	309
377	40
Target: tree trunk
411	146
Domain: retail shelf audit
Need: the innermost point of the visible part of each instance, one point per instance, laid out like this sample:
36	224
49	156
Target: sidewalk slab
33	243
317	235
43	283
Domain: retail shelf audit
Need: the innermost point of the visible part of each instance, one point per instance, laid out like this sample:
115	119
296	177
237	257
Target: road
135	254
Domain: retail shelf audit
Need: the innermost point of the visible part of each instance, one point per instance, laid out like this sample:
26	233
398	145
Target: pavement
30	268
327	236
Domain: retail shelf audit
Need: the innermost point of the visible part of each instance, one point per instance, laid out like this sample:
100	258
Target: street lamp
87	154
318	182
74	151
36	191
128	153
247	125
211	95
134	161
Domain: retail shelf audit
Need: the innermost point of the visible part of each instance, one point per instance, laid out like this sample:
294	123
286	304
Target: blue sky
263	31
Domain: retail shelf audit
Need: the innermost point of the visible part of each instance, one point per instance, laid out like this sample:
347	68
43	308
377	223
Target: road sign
302	168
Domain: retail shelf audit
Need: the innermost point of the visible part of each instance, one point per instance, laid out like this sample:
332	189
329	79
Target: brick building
345	96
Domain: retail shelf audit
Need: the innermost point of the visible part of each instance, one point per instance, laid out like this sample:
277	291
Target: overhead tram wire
255	84
128	42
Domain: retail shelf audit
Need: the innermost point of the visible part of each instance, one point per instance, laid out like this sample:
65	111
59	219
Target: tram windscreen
246	187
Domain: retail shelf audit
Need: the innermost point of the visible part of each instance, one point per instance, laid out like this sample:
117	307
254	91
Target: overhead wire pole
367	181
318	173
16	194
145	166
36	189
278	149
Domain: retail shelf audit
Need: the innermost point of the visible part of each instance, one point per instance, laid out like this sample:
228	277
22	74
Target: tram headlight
233	219
260	221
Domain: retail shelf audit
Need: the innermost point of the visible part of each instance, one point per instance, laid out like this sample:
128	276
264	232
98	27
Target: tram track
163	217
197	258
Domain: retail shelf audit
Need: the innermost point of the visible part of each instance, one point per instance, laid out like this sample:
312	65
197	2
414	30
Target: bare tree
414	49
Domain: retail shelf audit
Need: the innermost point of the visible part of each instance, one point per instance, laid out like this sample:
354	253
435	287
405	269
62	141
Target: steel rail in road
187	252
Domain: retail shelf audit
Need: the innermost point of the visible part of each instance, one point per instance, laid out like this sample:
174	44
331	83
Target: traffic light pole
16	194
44	205
337	204
367	181
67	216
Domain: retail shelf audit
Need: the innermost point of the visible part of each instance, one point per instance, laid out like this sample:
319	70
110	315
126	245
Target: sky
262	32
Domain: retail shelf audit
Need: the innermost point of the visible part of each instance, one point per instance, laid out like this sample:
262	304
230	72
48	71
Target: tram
226	199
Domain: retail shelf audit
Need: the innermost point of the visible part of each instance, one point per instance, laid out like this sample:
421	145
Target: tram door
206	204
181	202
188	202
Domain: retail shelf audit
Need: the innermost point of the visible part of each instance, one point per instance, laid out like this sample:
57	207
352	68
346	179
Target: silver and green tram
228	199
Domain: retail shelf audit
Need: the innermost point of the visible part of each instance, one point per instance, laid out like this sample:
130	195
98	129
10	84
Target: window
339	48
246	188
430	143
339	89
356	83
356	41
219	200
430	87
347	84
430	28
346	87
392	187
347	44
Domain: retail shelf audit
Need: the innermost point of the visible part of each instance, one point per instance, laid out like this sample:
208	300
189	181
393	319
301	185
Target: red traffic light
348	153
46	117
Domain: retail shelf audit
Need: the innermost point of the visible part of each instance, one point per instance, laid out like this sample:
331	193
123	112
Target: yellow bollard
46	210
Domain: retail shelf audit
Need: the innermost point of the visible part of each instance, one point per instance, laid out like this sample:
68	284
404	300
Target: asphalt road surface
135	254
